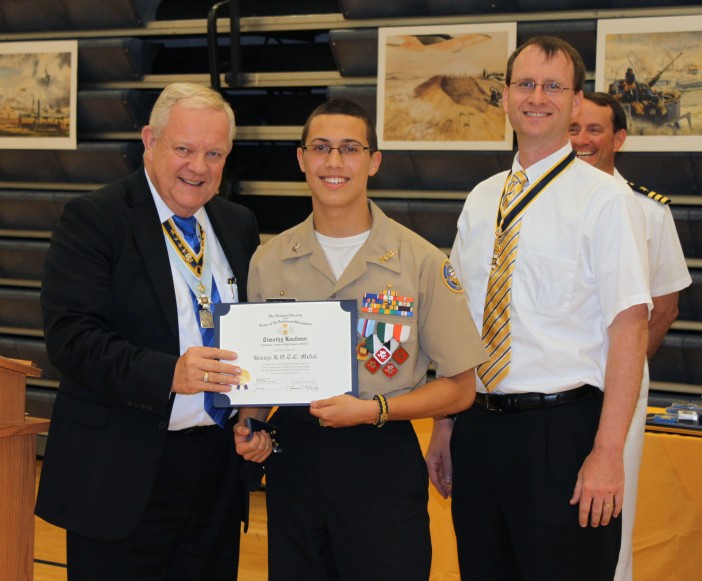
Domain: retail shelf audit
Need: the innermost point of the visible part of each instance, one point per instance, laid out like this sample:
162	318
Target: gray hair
192	96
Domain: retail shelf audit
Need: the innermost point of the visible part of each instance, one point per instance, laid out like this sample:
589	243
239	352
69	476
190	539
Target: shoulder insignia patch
644	191
450	278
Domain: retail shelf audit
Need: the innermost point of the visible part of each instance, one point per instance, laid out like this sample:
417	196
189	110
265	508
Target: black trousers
190	528
513	476
347	503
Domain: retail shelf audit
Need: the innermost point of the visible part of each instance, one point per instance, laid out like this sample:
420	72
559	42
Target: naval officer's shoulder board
644	191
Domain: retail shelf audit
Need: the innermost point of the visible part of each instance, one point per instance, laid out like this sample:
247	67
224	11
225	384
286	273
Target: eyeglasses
551	88
346	150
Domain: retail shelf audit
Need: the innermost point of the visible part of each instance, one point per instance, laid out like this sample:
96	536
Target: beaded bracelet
382	412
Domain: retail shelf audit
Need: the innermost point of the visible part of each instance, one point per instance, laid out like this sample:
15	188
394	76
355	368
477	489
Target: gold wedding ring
608	505
321	423
207	377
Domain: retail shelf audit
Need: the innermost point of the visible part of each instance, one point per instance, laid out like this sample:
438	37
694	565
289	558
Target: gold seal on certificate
293	352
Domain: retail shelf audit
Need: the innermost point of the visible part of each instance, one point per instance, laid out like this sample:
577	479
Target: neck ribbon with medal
195	268
520	205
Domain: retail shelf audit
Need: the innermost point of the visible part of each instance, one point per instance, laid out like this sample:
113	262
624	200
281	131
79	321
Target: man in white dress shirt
536	465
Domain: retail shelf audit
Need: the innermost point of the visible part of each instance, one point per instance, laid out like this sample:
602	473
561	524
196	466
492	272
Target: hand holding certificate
290	353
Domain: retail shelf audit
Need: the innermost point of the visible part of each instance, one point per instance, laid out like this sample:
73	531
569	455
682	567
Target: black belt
503	402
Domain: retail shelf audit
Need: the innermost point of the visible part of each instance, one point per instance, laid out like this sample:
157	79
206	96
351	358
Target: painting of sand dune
440	87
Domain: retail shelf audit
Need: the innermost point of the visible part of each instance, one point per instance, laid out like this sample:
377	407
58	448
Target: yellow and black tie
496	317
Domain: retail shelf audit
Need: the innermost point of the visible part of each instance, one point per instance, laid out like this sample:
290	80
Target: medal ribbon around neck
191	266
525	199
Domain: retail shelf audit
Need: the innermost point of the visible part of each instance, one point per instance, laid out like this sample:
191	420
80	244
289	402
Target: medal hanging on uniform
383	342
365	329
195	268
203	299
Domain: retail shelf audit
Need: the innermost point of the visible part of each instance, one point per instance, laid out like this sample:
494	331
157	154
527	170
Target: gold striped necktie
496	323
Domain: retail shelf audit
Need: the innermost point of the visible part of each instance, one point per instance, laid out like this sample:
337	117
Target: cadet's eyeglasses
324	149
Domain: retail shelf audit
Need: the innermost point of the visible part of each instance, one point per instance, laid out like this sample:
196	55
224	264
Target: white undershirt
340	251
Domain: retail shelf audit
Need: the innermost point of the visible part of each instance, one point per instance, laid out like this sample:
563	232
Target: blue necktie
188	226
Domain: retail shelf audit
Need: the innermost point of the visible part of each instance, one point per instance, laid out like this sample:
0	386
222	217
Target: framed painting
440	87
38	86
653	67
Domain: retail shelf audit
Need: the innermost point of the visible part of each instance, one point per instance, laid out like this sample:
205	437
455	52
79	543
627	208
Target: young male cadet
136	469
597	134
347	498
554	264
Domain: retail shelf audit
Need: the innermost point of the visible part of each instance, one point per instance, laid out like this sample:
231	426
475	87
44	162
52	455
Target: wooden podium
18	439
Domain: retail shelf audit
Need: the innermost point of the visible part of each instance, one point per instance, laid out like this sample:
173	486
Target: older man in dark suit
139	467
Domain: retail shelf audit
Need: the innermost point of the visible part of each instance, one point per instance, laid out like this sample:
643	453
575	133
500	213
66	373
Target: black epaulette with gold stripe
644	191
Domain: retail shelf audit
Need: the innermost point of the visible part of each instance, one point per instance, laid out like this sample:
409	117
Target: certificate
290	353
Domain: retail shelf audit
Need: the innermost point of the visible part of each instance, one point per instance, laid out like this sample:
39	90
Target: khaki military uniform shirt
438	328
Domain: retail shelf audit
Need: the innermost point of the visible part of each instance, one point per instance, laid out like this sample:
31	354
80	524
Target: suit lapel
230	243
144	221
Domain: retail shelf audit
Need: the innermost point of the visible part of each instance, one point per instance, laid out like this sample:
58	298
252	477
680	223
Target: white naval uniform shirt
189	410
668	273
667	268
581	260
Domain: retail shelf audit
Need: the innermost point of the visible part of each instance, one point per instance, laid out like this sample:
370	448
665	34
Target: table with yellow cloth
668	531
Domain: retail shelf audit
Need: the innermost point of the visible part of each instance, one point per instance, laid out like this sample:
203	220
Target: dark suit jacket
111	328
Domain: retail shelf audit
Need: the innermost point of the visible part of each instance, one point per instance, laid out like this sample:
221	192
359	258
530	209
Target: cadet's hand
599	488
199	369
439	457
342	411
257	449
